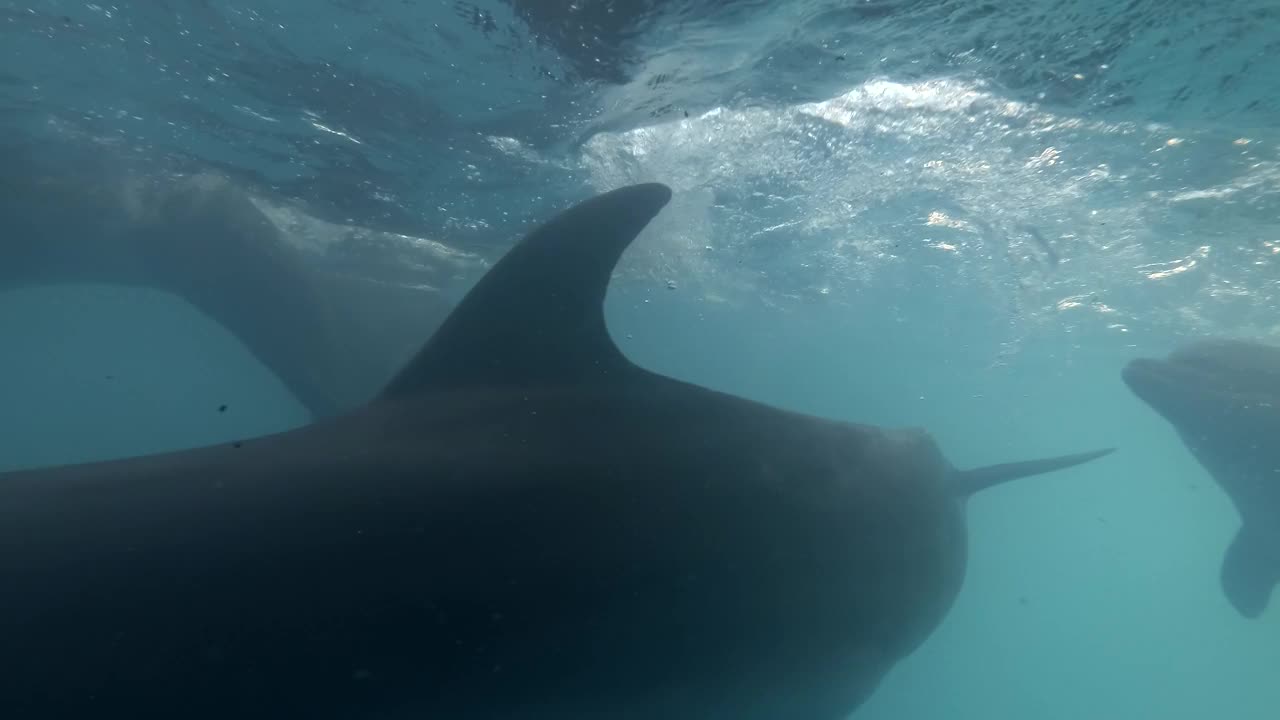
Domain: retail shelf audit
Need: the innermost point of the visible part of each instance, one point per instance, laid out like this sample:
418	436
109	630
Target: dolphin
523	524
333	339
1223	398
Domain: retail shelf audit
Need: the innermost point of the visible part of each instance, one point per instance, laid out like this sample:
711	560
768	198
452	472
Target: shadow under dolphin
1223	399
524	524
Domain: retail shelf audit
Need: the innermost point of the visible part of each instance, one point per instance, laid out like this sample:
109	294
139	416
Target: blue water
864	194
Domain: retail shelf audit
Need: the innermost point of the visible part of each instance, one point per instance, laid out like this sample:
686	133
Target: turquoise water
855	238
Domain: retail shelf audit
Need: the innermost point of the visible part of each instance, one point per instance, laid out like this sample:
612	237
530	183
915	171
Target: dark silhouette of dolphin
1223	398
523	525
333	339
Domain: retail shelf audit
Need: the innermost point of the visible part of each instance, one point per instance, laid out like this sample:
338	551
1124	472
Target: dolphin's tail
968	482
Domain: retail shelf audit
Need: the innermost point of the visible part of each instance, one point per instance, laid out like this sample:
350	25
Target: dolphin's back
206	581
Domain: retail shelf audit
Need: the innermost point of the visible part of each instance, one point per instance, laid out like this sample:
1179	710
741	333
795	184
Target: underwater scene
632	359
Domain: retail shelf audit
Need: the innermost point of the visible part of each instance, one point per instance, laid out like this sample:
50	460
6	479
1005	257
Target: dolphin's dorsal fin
537	316
968	482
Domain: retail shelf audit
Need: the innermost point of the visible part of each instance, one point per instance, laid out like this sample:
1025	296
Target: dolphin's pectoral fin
968	482
537	316
1250	570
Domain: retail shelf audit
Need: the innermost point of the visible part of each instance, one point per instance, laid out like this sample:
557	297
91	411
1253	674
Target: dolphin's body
523	525
1223	398
334	340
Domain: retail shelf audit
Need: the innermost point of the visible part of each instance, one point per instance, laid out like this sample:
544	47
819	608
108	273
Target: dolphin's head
913	470
1180	393
1211	384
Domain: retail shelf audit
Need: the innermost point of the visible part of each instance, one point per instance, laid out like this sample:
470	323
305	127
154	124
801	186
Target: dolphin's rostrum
524	525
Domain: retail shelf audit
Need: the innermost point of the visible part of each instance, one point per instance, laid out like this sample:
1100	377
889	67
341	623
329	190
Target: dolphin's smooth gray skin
1223	398
523	525
334	340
